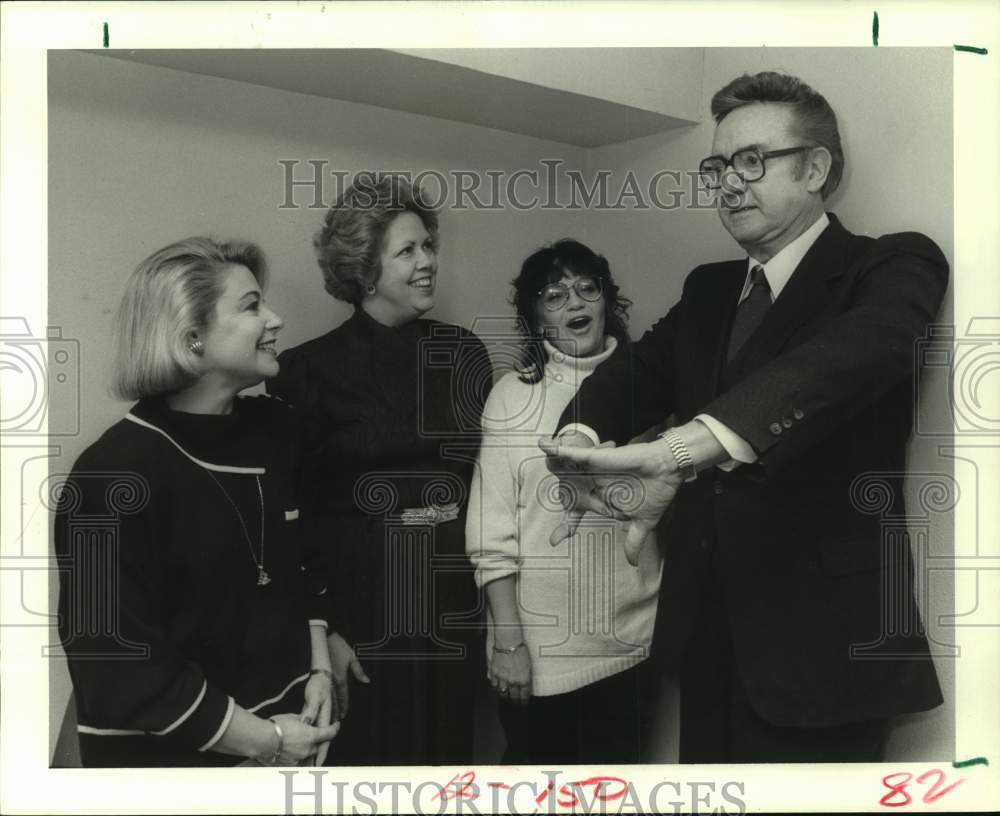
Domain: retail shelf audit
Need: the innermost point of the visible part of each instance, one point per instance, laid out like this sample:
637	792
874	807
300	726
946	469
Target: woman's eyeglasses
556	295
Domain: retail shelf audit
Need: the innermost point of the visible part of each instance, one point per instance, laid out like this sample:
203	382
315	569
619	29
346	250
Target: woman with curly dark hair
391	404
568	627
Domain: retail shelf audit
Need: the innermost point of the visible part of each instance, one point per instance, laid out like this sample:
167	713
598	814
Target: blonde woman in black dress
193	634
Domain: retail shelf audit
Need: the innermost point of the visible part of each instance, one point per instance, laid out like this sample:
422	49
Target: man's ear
818	163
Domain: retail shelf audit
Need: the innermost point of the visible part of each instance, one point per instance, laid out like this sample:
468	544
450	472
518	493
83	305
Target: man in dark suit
790	617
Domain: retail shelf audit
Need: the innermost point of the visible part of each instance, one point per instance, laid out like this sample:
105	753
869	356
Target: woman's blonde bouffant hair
171	295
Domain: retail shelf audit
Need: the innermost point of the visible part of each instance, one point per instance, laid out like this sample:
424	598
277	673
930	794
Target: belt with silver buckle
429	516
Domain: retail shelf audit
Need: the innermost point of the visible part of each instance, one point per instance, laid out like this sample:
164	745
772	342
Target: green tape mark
971	49
107	38
875	30
965	763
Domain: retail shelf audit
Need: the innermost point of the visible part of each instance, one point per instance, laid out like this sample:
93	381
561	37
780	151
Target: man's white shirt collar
780	268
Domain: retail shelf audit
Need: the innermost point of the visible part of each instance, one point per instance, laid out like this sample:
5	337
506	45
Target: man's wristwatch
685	464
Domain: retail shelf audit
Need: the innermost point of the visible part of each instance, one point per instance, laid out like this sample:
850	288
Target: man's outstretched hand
577	490
634	483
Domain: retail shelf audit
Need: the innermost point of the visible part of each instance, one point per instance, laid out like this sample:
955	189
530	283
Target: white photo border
28	30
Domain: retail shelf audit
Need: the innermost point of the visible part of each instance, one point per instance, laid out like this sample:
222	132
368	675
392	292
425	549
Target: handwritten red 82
898	796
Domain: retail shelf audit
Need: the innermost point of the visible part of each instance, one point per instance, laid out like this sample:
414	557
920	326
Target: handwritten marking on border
967	763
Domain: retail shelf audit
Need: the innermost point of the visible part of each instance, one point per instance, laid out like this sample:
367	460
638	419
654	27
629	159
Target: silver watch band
685	464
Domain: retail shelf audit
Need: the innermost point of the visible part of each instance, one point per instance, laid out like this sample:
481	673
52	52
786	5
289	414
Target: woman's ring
502	690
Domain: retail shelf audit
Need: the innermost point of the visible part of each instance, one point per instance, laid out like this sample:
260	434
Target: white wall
664	80
141	156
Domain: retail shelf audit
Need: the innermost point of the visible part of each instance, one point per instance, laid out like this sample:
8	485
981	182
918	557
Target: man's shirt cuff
739	450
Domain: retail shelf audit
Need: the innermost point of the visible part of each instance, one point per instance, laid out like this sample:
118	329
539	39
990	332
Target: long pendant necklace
263	579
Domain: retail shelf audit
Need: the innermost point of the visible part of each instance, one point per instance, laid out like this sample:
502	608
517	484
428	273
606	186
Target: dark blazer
822	617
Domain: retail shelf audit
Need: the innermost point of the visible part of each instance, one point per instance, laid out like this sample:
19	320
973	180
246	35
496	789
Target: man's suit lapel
801	300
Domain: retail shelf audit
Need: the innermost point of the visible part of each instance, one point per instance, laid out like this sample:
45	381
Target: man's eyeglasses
556	295
748	164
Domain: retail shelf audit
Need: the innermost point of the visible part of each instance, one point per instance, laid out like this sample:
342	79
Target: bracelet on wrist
509	651
325	672
276	756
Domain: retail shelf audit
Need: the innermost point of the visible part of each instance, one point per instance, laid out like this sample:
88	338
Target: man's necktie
750	312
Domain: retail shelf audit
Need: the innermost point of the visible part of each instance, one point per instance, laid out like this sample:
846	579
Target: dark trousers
604	723
719	724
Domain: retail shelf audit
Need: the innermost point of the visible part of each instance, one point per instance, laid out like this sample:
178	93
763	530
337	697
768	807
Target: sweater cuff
494	572
200	724
579	427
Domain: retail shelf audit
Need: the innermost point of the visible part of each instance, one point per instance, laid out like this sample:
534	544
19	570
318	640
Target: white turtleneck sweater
586	613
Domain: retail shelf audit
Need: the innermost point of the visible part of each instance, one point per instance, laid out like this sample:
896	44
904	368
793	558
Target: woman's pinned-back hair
171	294
549	265
349	245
